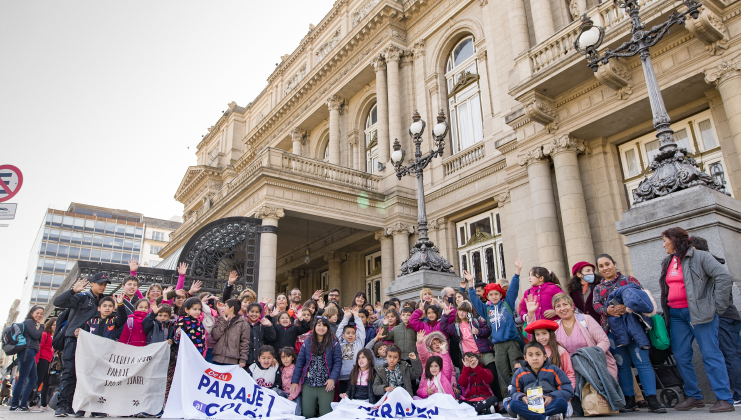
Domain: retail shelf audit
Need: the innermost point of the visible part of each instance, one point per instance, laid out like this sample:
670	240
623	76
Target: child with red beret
544	332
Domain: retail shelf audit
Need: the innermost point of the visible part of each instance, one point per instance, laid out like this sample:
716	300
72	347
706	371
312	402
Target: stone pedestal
408	286
700	211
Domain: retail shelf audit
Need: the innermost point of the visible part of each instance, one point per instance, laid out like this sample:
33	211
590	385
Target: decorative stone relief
725	70
378	63
294	81
267	212
563	144
334	103
709	28
434	225
502	199
418	50
381	234
399	228
393	53
616	76
533	156
363	11
352	137
540	109
325	48
298	134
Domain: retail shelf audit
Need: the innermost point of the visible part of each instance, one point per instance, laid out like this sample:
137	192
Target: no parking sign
11	180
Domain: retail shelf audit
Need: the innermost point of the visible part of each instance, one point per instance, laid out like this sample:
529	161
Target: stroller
669	384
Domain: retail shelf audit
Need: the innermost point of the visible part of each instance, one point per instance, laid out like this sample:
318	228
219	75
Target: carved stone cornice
562	144
709	28
334	103
539	108
267	212
531	157
378	63
726	69
381	234
393	53
399	228
502	199
335	256
615	75
418	50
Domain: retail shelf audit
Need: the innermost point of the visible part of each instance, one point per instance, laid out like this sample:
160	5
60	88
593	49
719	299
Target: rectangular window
46	280
632	163
155	249
85	253
130	230
137	246
462	236
57	280
70	265
100	226
40	264
682	140
118	243
60	266
478	129
79	223
120	229
110	227
708	137
464	123
87	239
108	241
68	222
74	252
46	233
62	251
116	257
128	244
158	236
42	250
98	240
90	224
498	223
95	255
76	237
49	218
484	225
105	256
652	149
51	249
66	236
57	220
139	232
54	234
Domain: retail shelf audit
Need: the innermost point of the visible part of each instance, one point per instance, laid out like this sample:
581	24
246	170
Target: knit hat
541	324
493	286
578	266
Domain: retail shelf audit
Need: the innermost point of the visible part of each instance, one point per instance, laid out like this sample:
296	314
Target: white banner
398	404
119	379
201	390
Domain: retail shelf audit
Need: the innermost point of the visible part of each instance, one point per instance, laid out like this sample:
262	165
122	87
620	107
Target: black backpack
14	341
57	341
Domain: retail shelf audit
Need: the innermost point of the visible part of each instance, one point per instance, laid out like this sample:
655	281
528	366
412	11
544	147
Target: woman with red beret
581	285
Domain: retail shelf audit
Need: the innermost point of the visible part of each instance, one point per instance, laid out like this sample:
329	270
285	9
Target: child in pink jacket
543	285
436	376
432	344
432	323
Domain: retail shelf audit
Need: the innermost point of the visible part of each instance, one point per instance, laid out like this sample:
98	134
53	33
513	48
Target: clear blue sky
100	100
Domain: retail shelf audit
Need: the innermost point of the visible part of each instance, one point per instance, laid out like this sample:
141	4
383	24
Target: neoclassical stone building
540	163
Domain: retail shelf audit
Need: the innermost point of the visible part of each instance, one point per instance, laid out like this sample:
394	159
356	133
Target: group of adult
697	306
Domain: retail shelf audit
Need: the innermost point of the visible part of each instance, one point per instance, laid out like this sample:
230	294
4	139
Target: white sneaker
737	403
35	410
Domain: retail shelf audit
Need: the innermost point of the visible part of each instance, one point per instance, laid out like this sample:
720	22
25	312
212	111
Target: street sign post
11	180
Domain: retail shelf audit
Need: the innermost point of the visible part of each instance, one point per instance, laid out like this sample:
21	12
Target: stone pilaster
517	25
577	234
334	103
393	57
545	216
293	279
726	76
542	19
297	136
382	102
400	232
387	258
355	159
335	269
268	251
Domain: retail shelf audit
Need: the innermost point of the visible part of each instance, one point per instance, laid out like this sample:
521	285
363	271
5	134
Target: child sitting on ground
537	372
474	381
396	373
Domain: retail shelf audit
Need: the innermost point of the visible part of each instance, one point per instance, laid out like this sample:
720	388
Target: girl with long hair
43	359
33	329
544	332
543	285
360	385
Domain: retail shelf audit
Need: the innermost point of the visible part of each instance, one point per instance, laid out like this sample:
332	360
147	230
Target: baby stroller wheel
668	398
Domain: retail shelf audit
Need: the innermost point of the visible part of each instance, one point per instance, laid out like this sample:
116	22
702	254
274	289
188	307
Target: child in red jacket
133	331
474	381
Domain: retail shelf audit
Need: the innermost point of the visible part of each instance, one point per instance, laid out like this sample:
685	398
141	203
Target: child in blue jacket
317	370
537	371
500	318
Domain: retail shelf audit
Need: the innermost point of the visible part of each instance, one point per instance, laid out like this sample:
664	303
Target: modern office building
156	236
86	233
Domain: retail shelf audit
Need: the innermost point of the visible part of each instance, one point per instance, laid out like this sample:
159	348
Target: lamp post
673	168
424	255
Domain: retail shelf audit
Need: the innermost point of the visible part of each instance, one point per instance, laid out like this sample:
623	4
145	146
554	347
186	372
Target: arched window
371	140
326	153
464	98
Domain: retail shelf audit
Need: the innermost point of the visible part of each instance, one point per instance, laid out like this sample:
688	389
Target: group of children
466	345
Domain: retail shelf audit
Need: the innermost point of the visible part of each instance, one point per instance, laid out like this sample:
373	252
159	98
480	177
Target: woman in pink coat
543	285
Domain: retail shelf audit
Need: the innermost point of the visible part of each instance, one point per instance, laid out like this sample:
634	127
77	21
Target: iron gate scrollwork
232	243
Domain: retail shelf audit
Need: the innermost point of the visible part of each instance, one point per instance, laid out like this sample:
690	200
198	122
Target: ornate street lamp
424	255
673	168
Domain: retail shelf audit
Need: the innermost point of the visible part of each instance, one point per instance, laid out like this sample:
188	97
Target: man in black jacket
83	307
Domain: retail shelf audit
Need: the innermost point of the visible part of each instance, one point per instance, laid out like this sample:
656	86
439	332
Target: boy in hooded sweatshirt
351	344
500	317
537	371
158	326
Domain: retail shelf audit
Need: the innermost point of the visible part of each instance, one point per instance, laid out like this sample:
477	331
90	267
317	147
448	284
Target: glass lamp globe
307	257
588	38
396	156
439	129
416	128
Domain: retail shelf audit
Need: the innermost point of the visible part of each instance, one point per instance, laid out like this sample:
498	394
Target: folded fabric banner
201	390
398	404
119	379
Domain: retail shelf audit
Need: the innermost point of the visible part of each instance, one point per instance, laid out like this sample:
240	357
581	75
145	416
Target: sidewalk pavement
643	414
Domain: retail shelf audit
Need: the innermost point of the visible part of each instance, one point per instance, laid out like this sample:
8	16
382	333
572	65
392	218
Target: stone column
293	279
577	234
400	232
334	259
727	78
387	262
382	100
353	141
542	19
334	103
393	56
305	285
268	250
545	216
297	135
517	25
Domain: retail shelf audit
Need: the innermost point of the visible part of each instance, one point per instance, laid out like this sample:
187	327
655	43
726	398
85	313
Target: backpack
57	341
14	341
658	335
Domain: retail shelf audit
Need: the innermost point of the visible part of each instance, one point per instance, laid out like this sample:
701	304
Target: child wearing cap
500	318
544	332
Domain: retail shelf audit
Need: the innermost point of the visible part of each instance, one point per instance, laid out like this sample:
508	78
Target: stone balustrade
335	173
464	159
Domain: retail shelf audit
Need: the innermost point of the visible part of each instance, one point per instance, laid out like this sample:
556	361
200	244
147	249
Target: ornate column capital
615	76
709	29
418	49
352	137
334	103
407	58
502	199
291	275
378	63
298	134
562	144
481	55
435	224
393	53
531	157
399	229
539	108
381	234
267	212
726	69
334	256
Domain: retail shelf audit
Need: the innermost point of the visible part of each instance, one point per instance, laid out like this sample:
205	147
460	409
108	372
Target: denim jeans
623	357
27	377
558	405
682	334
729	341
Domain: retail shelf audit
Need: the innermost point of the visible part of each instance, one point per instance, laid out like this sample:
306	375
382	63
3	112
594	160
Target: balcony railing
561	44
464	158
335	173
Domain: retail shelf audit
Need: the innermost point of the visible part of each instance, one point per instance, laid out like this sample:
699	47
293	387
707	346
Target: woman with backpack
27	376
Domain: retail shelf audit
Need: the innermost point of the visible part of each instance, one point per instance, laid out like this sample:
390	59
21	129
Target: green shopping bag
658	334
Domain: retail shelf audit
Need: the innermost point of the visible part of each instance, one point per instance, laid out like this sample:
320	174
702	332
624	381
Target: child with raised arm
433	344
500	317
474	381
437	373
351	344
261	331
158	325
